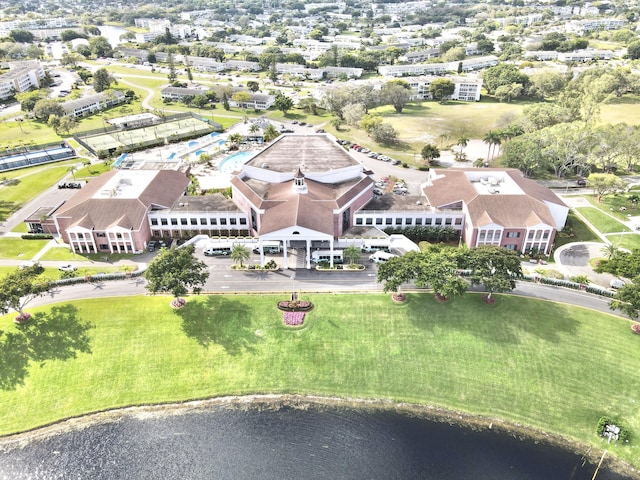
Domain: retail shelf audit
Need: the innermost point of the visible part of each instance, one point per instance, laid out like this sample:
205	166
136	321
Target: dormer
298	182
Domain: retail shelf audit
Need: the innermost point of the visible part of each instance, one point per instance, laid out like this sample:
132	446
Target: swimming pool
235	161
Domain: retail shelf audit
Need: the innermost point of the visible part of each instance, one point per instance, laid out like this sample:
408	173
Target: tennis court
149	135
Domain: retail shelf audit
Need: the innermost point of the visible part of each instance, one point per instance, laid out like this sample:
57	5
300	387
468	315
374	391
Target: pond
286	443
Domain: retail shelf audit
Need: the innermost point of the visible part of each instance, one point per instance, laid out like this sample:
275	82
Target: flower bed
294	318
399	297
178	302
635	328
22	319
295	306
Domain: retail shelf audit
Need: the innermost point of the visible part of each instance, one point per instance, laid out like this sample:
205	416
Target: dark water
289	444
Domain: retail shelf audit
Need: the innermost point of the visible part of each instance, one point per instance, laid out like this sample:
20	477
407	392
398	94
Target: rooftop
315	152
126	184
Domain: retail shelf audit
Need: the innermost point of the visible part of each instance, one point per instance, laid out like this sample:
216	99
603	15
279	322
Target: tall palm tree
240	253
492	138
351	254
463	141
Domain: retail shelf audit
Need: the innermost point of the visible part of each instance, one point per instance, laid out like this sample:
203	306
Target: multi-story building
21	77
466	89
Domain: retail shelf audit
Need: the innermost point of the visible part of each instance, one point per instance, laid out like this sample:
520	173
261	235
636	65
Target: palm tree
463	141
235	139
351	254
72	169
609	250
492	138
240	253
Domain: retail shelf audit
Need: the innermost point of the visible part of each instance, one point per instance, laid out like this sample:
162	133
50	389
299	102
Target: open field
547	365
603	222
32	182
15	248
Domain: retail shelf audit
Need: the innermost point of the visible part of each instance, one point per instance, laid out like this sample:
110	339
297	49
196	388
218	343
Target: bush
37	236
635	328
623	436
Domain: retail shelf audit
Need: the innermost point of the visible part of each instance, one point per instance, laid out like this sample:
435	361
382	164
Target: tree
397	94
175	271
17	289
610	250
54	122
240	253
102	80
28	100
438	268
46	107
463	141
241	99
604	183
633	50
441	89
370	122
21	36
308	105
496	268
283	103
503	74
67	123
397	271
172	76
507	93
253	86
354	113
627	299
492	138
351	254
100	47
225	101
384	134
235	139
429	153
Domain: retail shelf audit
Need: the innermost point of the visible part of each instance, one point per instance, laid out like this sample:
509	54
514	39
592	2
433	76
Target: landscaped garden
554	367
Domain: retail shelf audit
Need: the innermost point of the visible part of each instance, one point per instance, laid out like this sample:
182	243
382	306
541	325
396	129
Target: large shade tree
20	287
496	268
176	271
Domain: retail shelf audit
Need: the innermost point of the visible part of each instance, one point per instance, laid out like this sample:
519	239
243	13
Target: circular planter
489	300
399	297
441	298
178	303
22	319
635	328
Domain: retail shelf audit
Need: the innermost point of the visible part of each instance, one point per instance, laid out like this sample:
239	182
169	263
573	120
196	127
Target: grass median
550	366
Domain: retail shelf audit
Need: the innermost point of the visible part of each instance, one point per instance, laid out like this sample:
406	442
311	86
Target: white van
616	283
381	256
218	249
371	246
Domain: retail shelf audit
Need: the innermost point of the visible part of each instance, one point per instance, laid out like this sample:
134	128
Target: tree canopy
20	287
175	271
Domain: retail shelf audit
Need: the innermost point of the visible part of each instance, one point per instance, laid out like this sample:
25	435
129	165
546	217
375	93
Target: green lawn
15	248
31	182
603	222
551	366
630	242
575	231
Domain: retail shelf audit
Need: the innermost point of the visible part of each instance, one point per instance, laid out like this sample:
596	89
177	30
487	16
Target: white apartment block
93	103
22	76
467	65
584	26
467	89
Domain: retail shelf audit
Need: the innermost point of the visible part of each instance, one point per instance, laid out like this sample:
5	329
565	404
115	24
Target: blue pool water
235	161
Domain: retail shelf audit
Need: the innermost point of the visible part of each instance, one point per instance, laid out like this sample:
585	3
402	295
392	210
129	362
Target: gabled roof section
501	196
98	209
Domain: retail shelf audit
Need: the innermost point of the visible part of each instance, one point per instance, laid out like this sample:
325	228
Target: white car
67	268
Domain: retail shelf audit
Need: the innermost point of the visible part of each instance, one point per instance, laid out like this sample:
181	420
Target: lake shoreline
308	402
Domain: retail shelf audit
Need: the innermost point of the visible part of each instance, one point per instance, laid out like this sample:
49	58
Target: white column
308	254
331	252
285	259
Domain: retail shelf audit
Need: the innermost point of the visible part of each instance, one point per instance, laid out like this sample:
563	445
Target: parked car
153	245
616	283
377	191
581	182
67	268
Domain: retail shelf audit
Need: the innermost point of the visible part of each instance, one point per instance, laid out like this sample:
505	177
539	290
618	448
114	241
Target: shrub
37	236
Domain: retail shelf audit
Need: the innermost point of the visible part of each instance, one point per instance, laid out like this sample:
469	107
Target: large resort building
308	192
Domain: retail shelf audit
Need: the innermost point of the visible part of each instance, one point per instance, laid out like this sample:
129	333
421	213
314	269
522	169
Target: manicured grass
629	241
15	248
32	182
547	365
603	222
575	231
618	205
621	110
